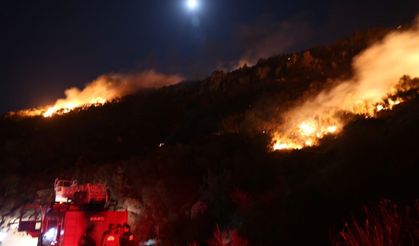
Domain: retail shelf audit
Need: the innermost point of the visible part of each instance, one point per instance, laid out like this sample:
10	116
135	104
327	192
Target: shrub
385	224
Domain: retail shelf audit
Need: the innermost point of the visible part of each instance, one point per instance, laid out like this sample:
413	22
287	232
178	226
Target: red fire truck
77	211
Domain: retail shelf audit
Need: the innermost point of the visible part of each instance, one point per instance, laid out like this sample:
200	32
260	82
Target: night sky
50	45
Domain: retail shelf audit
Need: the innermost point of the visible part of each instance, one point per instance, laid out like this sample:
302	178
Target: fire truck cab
78	211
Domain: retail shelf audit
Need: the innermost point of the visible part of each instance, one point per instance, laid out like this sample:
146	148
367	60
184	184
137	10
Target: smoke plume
377	72
104	89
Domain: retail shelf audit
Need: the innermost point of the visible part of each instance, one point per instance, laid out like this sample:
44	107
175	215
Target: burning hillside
375	87
104	89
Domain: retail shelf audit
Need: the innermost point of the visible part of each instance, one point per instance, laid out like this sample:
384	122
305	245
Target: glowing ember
332	129
307	129
282	146
373	89
392	103
379	107
104	89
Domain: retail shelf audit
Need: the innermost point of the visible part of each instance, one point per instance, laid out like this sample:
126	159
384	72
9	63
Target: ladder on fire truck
68	191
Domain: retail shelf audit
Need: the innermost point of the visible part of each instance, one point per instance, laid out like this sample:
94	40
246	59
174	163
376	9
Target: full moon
192	4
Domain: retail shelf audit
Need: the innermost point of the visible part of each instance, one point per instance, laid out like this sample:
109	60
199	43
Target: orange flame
372	89
104	89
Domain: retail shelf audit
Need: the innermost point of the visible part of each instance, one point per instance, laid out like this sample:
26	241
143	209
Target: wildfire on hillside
104	89
374	87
